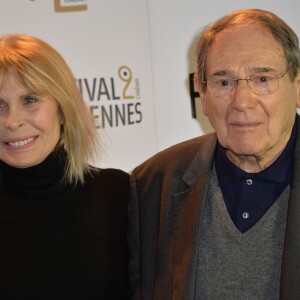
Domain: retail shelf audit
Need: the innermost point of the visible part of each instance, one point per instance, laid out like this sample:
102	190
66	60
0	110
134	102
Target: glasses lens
259	84
263	84
221	86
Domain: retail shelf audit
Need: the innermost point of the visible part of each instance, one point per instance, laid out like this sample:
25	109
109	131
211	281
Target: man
218	217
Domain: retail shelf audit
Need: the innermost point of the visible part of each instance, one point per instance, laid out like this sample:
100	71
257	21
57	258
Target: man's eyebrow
261	69
222	73
227	72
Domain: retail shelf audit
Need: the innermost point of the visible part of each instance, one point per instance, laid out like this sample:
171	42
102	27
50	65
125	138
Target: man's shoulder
180	155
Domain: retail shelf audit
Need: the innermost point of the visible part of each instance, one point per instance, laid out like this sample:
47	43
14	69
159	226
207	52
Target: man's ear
298	88
202	92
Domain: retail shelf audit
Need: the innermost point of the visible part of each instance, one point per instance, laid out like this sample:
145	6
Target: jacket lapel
187	215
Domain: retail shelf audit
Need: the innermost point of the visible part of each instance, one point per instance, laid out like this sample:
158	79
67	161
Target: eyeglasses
261	84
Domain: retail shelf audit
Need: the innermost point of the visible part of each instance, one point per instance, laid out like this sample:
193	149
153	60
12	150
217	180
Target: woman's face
29	125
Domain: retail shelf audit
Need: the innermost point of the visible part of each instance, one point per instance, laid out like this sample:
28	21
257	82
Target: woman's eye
3	105
30	100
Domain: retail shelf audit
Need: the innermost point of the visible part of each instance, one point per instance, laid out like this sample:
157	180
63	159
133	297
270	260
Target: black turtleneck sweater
62	242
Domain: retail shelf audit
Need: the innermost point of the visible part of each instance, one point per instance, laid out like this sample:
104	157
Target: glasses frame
236	81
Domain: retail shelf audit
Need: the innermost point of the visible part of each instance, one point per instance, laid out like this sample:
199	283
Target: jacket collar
202	162
290	271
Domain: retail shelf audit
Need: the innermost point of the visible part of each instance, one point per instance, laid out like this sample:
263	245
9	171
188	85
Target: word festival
112	105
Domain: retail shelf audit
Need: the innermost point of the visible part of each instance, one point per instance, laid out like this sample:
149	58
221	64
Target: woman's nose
13	119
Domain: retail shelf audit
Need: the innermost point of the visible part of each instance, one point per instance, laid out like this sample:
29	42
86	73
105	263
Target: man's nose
242	95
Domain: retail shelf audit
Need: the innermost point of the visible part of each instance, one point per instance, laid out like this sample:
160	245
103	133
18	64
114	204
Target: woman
63	222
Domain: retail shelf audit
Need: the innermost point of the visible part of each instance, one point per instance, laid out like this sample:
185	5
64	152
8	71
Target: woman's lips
20	143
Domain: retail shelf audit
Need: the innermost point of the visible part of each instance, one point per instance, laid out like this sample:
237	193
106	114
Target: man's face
248	124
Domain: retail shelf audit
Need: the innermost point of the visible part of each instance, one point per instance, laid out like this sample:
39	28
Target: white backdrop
107	45
132	59
174	27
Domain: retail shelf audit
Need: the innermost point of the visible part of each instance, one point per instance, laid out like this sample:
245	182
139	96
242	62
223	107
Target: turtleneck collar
40	181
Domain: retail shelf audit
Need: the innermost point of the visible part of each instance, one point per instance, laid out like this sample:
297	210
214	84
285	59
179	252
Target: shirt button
249	181
245	215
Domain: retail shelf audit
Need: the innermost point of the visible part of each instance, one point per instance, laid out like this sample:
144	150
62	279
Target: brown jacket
165	211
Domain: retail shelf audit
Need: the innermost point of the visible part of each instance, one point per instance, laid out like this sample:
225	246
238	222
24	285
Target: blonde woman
63	222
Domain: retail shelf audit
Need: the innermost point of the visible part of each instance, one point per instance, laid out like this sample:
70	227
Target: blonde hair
40	68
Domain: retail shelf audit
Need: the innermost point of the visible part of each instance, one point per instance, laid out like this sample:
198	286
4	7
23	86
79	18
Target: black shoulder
109	185
109	175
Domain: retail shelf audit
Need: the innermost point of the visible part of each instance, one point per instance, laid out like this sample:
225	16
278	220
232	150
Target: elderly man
218	217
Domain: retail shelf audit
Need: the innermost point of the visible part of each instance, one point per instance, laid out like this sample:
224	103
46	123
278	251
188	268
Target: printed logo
125	75
70	5
113	101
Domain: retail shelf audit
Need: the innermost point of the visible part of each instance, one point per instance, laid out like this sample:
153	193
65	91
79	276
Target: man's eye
223	82
262	78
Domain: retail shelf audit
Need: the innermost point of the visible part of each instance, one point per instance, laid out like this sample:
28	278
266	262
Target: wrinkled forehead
245	46
242	35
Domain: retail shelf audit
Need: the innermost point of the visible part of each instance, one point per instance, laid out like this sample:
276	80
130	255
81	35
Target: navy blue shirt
249	195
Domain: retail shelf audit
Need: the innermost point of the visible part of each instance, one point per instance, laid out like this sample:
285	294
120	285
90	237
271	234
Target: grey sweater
234	265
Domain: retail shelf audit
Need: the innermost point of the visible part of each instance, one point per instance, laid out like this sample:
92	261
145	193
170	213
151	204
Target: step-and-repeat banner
106	43
133	60
175	26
